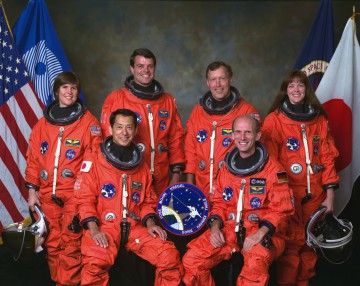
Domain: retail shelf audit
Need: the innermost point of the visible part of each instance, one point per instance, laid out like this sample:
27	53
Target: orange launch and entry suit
79	133
266	201
295	139
203	121
160	133
102	187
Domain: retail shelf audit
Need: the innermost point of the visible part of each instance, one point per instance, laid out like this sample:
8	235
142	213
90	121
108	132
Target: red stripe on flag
26	109
13	168
9	204
14	128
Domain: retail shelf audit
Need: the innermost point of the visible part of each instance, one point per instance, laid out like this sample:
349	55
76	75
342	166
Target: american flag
20	109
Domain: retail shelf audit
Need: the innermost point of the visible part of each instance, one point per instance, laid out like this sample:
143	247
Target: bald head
245	132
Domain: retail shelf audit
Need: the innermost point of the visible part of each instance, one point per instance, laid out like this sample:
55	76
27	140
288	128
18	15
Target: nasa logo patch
316	149
108	190
135	197
292	144
201	136
70	154
227	194
162	125
44	147
226	142
183	209
255	203
138	118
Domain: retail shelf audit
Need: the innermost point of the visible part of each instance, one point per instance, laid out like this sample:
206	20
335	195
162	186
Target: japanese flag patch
85	166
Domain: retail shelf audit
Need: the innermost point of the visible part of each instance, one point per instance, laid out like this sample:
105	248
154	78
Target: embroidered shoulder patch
226	132
136	185
85	166
282	177
72	142
95	130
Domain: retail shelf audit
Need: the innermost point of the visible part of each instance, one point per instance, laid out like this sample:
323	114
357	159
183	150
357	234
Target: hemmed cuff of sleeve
212	218
269	225
84	222
180	166
331	185
153	216
30	185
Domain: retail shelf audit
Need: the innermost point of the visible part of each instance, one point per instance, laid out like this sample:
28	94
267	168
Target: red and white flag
20	109
339	92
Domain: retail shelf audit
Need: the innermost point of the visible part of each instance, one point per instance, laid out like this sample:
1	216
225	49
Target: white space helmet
329	236
24	239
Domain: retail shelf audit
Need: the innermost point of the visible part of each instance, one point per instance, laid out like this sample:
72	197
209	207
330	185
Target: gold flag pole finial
354	14
353	19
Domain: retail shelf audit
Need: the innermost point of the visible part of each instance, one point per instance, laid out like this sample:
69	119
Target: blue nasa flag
41	50
319	45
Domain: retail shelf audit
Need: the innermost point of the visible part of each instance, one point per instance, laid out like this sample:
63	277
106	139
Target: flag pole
353	19
354	13
6	19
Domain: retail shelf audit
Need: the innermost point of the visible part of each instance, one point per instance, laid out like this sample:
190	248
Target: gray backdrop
261	40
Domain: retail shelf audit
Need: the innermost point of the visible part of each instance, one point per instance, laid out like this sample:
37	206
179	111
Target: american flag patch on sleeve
282	177
95	130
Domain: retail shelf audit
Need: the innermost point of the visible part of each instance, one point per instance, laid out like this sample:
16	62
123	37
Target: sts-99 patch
183	209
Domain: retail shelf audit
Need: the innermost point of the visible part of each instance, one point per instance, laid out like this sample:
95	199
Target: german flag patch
282	177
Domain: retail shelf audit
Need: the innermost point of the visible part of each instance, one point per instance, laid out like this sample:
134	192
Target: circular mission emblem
183	209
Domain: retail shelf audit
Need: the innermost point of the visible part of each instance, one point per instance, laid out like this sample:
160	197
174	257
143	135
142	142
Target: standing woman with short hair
57	146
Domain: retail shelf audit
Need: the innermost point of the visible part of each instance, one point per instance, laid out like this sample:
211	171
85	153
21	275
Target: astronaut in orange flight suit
117	207
251	201
214	113
296	132
70	130
160	134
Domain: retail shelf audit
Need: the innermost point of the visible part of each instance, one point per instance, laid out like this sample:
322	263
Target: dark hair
66	77
255	122
142	52
123	112
217	64
310	96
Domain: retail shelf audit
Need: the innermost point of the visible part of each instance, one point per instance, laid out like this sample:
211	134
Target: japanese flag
339	92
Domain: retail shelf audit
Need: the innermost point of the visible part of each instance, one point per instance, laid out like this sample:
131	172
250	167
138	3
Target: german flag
282	177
